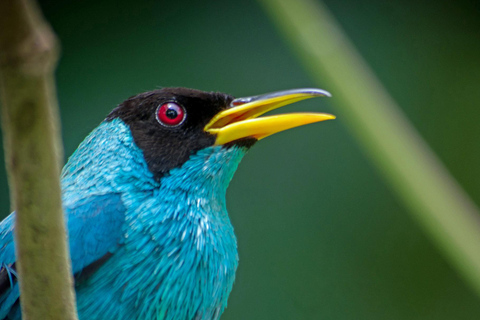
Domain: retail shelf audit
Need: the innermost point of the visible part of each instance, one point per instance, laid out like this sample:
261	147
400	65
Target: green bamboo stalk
407	163
33	153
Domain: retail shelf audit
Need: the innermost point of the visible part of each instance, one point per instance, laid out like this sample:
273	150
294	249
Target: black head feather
165	148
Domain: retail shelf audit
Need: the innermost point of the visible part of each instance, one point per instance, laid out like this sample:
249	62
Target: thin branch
28	55
408	164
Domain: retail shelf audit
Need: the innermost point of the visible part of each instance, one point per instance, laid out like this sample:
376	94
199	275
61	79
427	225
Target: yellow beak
241	119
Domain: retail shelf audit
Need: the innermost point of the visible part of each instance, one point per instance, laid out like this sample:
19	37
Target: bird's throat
207	173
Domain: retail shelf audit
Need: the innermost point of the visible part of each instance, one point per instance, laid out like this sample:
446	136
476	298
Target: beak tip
317	92
326	116
326	94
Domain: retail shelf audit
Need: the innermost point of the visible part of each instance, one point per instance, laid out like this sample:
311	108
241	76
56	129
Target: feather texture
171	249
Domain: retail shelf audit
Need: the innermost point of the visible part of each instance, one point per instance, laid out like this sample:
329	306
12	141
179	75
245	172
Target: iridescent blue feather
171	249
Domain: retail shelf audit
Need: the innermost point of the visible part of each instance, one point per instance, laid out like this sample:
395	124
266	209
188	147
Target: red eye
170	114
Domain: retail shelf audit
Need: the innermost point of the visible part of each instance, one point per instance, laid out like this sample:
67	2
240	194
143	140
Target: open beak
241	119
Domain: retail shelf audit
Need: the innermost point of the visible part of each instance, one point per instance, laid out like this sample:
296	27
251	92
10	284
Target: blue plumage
144	201
166	238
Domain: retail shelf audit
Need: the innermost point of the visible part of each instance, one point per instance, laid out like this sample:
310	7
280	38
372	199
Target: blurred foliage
319	234
407	163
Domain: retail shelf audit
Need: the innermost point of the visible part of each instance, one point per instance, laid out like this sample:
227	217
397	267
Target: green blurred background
320	235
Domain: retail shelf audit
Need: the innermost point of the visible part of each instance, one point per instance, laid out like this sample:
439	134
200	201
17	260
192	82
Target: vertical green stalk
407	163
33	152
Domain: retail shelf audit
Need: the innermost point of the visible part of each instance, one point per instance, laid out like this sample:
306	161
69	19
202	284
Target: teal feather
172	246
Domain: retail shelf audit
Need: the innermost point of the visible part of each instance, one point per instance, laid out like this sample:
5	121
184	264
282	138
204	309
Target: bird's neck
109	161
205	177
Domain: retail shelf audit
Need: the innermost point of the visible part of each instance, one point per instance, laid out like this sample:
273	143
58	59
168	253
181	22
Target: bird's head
172	124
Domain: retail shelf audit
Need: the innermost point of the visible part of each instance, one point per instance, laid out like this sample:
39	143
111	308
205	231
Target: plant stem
407	163
28	55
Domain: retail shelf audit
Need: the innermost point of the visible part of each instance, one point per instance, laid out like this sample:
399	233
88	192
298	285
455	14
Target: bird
144	203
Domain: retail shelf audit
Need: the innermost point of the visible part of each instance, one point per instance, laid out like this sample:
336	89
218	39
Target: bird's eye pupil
170	114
